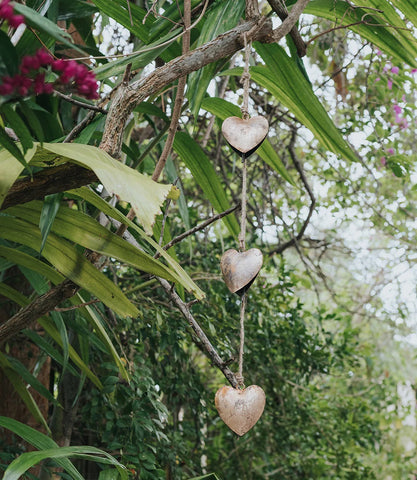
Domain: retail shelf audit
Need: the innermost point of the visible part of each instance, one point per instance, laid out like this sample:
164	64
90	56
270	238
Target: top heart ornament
245	136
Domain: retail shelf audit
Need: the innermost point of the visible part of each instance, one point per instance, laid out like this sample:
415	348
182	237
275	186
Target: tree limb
282	13
294	240
46	182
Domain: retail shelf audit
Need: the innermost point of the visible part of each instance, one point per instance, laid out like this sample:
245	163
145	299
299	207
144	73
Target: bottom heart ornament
240	409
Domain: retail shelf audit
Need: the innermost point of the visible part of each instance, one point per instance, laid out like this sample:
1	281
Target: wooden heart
245	136
240	409
240	269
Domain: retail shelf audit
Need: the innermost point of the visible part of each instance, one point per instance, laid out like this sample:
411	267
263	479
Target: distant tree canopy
119	195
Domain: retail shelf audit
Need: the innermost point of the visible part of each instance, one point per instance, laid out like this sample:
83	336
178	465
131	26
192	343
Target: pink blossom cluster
7	14
401	121
31	79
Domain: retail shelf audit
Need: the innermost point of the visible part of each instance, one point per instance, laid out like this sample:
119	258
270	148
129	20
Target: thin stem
182	81
246	80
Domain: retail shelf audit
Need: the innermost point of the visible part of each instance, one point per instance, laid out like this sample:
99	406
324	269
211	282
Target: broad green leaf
223	17
18	126
9	61
10	169
50	329
49	350
84	230
204	174
70	262
39	441
42	24
11	147
409	10
50	208
91	197
223	109
129	15
145	195
400	45
22	391
26	106
143	56
94	320
27	460
29	379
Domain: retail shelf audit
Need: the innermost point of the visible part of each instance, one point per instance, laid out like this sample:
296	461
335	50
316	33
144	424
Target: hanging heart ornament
239	269
240	409
245	136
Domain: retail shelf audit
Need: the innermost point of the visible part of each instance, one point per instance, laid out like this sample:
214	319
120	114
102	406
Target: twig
179	98
88	106
75	307
197	228
304	180
282	13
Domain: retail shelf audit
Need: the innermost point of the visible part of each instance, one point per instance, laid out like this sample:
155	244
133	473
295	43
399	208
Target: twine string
242	234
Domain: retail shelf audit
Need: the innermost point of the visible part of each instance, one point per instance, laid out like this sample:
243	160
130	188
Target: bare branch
282	13
294	240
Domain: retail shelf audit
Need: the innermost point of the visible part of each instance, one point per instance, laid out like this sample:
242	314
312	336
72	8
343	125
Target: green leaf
401	45
84	230
145	195
143	56
91	197
10	169
9	61
223	109
42	24
223	17
203	172
22	391
26	106
50	208
30	379
129	15
93	319
70	262
40	441
18	126
7	143
27	460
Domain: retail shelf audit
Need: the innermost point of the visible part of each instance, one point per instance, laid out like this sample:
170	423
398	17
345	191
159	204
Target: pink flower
397	109
414	70
378	51
383	161
377	79
389	84
395	70
391	151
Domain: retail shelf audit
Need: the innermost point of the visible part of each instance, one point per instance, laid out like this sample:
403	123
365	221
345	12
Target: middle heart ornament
240	269
245	135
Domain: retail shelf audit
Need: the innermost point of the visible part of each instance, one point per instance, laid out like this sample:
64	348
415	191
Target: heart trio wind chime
240	408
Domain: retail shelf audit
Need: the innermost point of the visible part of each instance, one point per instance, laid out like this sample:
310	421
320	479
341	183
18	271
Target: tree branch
294	240
46	182
282	13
